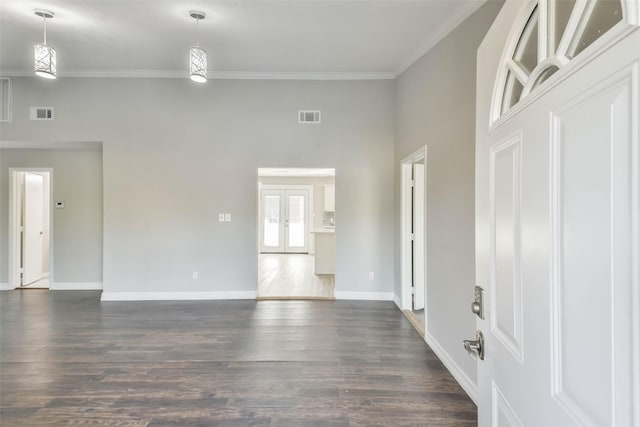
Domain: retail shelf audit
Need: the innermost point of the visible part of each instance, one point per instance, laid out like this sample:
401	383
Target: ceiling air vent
309	117
41	113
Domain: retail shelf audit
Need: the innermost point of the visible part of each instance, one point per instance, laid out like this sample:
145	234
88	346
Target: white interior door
33	245
419	258
285	221
557	226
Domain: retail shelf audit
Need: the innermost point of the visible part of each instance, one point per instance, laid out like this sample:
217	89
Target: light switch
220	217
227	217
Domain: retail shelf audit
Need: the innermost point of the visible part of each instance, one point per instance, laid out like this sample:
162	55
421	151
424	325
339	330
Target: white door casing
33	214
419	224
557	233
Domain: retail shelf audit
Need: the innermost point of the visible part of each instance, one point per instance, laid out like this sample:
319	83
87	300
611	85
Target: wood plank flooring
68	359
292	275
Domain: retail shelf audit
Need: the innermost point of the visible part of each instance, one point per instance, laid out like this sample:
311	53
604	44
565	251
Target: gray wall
77	229
436	106
175	154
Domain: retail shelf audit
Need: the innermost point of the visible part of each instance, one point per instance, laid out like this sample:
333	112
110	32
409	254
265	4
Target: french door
284	226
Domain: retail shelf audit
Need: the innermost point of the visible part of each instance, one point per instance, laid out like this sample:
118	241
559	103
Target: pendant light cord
197	32
45	28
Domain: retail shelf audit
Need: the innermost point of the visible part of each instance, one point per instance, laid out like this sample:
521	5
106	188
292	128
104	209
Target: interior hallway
67	358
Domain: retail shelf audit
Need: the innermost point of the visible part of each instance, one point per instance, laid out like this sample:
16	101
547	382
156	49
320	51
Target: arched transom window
551	35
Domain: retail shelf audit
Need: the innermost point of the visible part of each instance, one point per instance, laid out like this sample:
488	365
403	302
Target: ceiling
339	39
297	172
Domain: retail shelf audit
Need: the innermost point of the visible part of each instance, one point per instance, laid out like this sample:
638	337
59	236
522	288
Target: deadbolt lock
476	306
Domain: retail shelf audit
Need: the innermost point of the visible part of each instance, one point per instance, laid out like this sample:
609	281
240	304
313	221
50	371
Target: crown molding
51	145
213	75
448	26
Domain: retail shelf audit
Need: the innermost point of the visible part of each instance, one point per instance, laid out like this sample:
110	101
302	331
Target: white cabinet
329	198
325	246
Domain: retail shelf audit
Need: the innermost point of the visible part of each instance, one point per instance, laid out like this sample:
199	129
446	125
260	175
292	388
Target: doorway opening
414	238
296	233
30	228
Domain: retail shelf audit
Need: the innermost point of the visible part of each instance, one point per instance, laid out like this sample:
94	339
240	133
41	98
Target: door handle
475	348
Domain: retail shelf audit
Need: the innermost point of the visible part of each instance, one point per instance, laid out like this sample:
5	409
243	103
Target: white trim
364	296
397	301
631	10
48	145
75	286
5	287
440	34
177	296
463	379
213	75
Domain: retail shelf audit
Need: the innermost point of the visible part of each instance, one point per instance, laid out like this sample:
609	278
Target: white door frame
14	221
406	260
308	188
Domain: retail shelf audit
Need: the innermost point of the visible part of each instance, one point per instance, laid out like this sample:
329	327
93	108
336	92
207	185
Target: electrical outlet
194	275
220	217
371	275
227	217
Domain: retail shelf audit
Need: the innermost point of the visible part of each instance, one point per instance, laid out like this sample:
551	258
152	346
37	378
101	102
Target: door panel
591	193
297	207
506	300
419	256
33	257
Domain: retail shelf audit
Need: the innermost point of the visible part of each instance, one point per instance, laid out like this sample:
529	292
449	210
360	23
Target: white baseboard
177	296
397	302
463	379
6	287
75	286
370	296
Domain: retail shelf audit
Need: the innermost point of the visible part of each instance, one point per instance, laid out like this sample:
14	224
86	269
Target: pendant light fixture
197	55
43	54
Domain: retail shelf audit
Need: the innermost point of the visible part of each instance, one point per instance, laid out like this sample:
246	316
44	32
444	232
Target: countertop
324	231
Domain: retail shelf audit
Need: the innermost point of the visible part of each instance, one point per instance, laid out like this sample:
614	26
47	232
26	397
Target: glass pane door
272	229
296	222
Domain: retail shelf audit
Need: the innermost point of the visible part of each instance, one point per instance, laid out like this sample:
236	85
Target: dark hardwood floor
68	359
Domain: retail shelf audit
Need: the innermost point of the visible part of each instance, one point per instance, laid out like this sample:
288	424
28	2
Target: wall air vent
41	113
5	99
307	117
